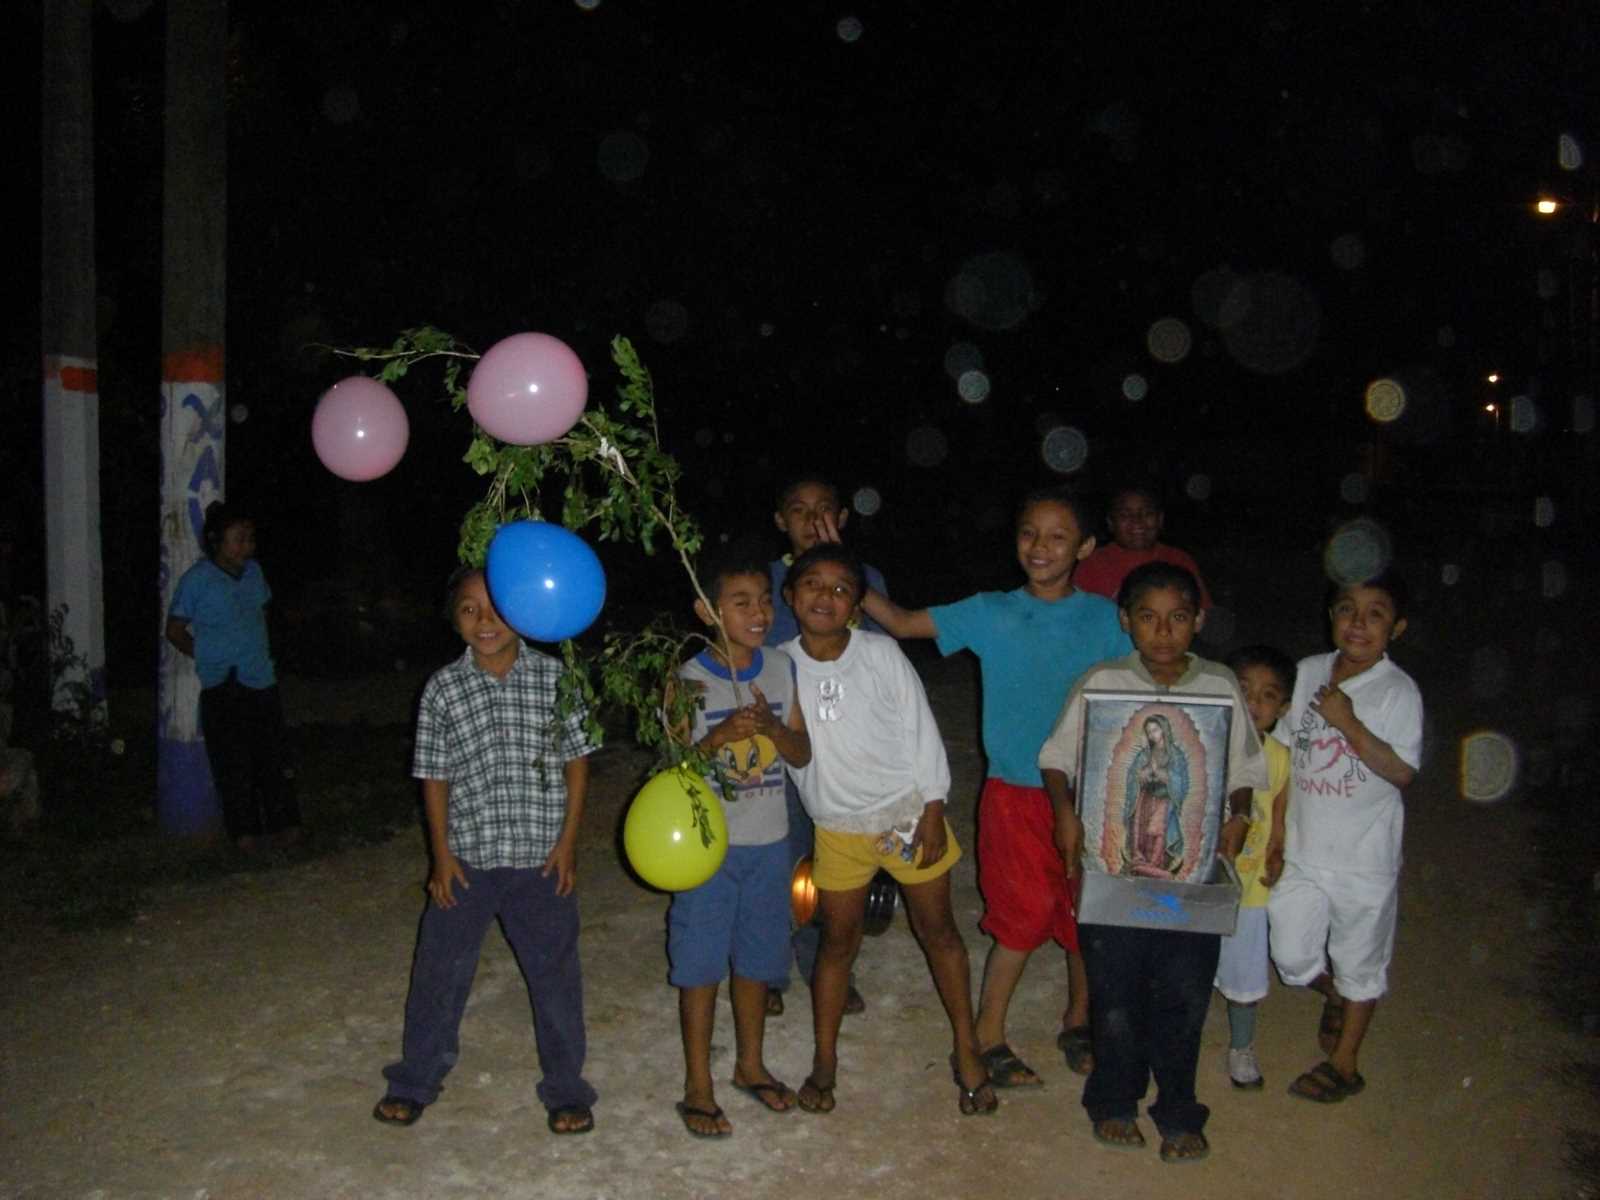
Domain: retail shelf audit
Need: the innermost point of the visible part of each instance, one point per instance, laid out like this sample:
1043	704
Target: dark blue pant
543	931
245	740
1148	994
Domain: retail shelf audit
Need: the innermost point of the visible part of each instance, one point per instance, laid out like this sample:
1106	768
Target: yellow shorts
845	861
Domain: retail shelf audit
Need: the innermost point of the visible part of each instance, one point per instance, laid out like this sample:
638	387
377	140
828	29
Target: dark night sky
787	220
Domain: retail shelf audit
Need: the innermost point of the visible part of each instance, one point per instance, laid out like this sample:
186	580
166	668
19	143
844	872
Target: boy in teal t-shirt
1033	644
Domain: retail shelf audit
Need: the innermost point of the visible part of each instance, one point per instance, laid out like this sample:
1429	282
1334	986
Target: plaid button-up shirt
502	748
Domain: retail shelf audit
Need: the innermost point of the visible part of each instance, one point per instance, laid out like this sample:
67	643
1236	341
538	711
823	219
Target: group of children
837	716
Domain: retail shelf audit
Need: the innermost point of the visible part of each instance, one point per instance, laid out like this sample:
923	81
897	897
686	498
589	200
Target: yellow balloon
675	834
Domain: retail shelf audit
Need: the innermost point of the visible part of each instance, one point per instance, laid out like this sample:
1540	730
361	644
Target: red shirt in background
1103	571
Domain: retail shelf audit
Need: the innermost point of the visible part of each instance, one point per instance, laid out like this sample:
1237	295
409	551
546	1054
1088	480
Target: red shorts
1027	899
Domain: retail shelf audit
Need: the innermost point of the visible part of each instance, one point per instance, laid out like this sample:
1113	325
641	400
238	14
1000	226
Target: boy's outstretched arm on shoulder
563	859
789	735
446	868
1337	710
1069	828
900	622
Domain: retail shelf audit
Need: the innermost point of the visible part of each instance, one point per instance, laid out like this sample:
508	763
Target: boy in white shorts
1266	677
1355	738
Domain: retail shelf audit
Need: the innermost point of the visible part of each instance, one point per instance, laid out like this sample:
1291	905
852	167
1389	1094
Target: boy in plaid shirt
503	836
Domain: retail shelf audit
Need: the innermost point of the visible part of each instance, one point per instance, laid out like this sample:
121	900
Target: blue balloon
544	579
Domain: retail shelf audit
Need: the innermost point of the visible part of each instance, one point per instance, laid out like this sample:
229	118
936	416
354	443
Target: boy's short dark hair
1270	657
1145	488
1064	496
1154	575
795	482
1389	580
742	556
452	585
828	552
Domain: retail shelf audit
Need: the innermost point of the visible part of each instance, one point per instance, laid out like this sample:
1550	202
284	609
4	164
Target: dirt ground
228	1045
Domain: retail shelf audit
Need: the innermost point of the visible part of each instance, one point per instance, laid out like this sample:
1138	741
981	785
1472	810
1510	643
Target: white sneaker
1243	1068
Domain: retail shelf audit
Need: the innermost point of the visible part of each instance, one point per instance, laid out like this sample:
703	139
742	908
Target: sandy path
228	1045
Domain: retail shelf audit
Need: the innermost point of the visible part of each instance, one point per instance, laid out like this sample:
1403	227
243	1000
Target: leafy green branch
610	472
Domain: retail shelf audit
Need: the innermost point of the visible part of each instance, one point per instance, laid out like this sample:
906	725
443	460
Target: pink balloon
529	388
359	429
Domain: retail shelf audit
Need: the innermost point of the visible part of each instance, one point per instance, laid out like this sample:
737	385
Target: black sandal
583	1113
969	1102
408	1112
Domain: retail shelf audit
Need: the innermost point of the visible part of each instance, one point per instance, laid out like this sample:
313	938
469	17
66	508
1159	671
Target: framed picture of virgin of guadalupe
1152	784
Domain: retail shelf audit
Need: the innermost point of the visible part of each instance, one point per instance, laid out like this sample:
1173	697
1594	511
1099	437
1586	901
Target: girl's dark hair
1270	657
828	552
1153	575
219	516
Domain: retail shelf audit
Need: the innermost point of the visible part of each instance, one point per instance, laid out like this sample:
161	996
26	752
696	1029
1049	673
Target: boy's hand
735	727
1272	863
827	528
761	718
1334	707
929	840
1069	840
446	871
563	860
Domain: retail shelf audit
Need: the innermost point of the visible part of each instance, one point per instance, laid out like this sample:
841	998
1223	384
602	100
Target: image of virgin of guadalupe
1157	785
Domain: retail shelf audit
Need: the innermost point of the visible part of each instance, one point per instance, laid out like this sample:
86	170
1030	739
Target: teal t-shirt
1032	652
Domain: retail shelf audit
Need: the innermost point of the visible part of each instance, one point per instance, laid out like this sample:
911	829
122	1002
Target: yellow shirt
1253	855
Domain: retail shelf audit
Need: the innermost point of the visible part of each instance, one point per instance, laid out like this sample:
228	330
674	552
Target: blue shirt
785	628
1032	652
228	620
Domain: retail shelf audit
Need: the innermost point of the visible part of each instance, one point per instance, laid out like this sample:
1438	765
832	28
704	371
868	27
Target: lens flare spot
239	414
1569	152
1489	764
1064	450
1169	340
926	446
973	387
1353	488
849	29
1523	415
1357	551
1544	512
1197	487
1552	579
1135	387
866	501
1450	575
1385	400
1348	251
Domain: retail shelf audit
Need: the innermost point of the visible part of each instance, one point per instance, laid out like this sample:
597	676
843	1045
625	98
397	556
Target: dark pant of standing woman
244	734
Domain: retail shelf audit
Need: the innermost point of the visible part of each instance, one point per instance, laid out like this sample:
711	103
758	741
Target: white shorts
1242	965
1321	917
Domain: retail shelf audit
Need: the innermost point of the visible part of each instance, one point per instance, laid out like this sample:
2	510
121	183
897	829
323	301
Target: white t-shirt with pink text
1342	816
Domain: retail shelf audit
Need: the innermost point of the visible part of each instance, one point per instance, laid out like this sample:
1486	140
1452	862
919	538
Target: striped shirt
501	747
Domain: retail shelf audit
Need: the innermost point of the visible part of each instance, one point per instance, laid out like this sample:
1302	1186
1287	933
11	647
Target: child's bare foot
816	1096
772	1094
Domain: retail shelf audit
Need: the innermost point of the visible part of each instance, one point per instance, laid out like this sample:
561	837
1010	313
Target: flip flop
1006	1070
1124	1125
1185	1148
969	1102
1323	1084
774	1087
685	1111
1077	1047
583	1112
410	1111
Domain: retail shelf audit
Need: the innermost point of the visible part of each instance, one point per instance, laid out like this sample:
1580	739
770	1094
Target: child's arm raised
900	622
1337	710
446	869
563	858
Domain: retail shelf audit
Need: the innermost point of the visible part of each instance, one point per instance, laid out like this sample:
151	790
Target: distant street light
1493	376
1547	207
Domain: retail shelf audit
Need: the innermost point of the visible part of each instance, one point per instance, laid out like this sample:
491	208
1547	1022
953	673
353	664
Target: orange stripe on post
79	379
200	365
